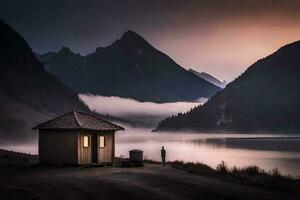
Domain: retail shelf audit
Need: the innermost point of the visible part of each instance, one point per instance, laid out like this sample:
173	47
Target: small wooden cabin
77	138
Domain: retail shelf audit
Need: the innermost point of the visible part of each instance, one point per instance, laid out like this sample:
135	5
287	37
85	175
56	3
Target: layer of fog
144	114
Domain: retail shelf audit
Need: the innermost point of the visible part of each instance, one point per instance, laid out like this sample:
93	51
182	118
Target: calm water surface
264	150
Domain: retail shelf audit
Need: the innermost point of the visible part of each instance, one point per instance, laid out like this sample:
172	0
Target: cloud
135	110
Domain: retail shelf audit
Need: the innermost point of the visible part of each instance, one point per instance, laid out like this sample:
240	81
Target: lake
264	150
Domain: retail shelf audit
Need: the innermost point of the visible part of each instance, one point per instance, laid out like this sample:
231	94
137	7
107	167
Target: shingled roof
79	120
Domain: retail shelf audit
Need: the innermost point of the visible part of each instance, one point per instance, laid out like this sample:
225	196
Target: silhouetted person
163	155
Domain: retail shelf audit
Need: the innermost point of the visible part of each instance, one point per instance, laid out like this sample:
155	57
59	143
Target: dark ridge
266	97
65	50
130	68
28	93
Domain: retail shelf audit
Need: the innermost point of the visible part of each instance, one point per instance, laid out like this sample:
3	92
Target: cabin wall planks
67	147
58	147
84	153
106	154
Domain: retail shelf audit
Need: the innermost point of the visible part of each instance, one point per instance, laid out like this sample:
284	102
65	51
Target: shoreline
25	179
151	160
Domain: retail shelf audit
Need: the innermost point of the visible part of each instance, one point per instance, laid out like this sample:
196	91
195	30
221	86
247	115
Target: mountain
28	93
266	97
209	78
130	67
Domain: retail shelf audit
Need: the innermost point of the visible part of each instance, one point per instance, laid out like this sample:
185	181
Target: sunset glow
227	49
222	38
150	99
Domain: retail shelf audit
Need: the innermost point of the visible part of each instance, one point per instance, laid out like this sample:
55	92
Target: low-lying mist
143	114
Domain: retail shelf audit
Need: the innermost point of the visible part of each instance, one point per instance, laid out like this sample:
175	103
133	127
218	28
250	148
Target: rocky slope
209	78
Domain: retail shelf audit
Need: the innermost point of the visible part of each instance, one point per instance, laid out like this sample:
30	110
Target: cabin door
94	148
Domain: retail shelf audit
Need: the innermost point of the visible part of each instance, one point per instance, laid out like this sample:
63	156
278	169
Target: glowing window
101	141
85	141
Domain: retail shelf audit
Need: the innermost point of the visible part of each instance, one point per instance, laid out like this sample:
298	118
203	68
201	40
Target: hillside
265	97
130	67
28	93
209	78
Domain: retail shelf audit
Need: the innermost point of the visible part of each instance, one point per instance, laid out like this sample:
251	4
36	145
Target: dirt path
150	182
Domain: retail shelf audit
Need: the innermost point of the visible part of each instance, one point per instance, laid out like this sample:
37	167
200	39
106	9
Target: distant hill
209	78
130	67
28	94
265	97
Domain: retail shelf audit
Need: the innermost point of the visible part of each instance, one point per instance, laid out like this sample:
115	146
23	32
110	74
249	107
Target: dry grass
252	175
15	159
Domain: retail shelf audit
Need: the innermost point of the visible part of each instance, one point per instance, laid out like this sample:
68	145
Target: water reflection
266	151
289	144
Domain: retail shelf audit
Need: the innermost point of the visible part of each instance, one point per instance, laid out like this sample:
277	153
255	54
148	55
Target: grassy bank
16	159
251	175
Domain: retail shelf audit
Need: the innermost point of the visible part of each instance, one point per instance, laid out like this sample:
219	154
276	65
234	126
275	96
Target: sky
222	38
